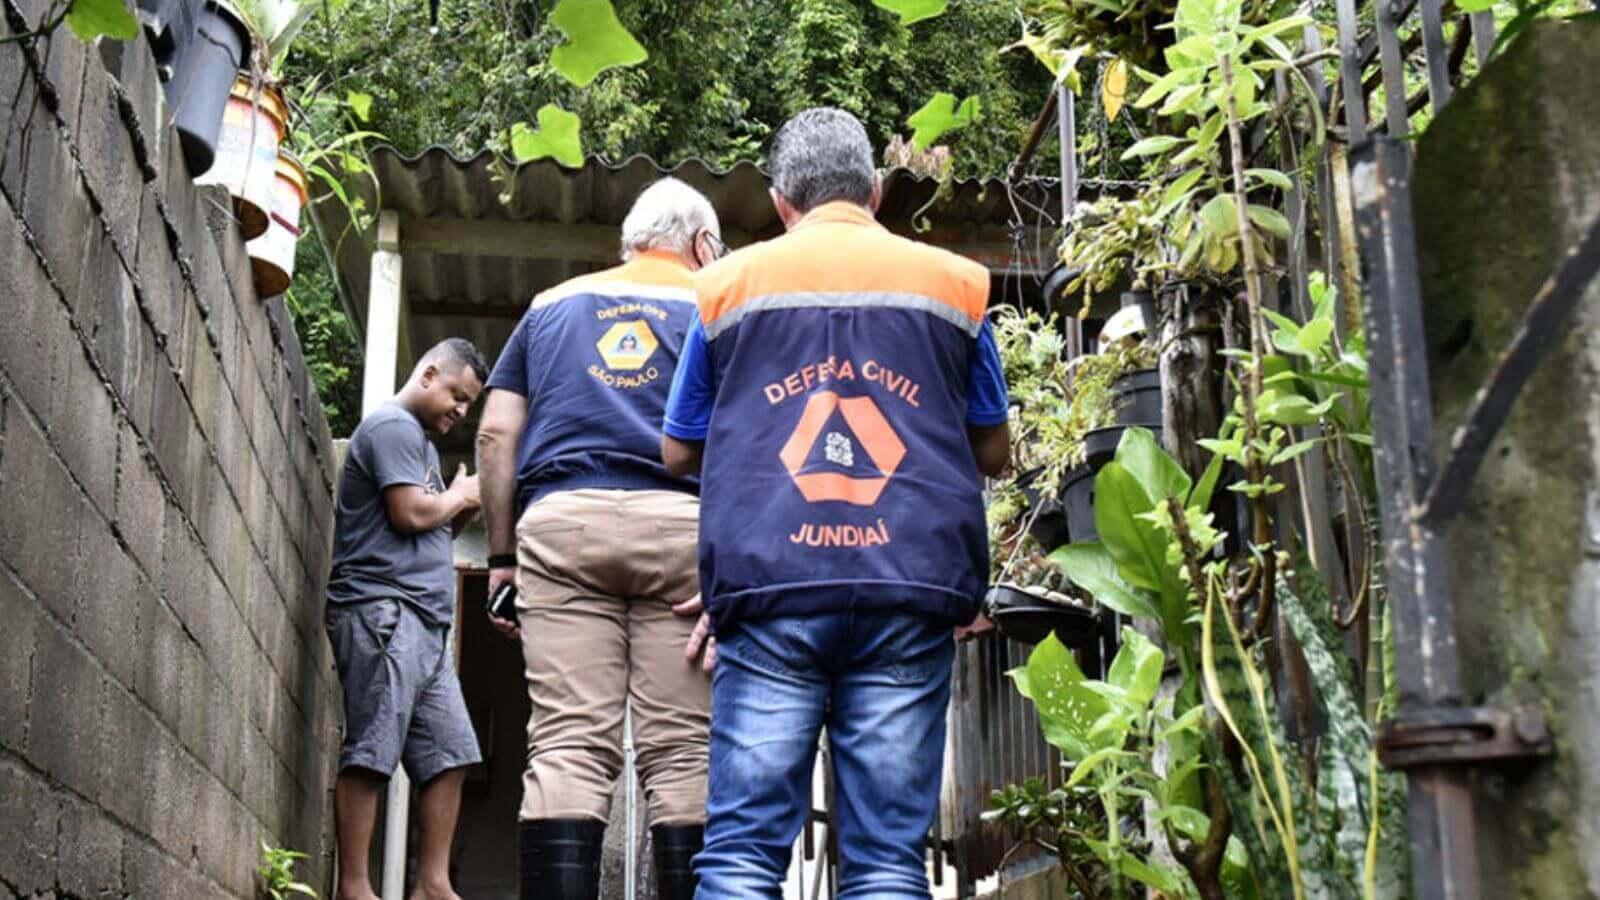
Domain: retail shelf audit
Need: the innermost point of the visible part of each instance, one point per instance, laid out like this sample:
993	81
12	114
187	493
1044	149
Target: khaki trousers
597	574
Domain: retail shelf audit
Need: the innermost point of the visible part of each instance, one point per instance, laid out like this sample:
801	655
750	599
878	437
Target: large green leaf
91	19
1139	548
557	138
1137	669
911	11
941	115
1159	474
1056	686
596	41
1090	566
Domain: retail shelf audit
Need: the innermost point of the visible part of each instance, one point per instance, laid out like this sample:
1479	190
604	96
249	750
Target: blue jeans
880	683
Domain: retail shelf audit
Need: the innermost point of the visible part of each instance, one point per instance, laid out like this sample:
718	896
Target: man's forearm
497	485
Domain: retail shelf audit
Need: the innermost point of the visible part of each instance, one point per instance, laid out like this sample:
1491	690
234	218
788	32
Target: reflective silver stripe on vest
845	300
614	289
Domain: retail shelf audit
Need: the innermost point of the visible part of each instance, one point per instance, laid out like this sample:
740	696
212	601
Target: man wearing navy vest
600	540
839	396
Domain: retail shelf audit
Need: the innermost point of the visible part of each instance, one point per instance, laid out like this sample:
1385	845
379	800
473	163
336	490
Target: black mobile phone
503	602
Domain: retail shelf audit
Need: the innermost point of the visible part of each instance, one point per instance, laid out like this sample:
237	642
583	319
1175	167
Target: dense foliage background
722	75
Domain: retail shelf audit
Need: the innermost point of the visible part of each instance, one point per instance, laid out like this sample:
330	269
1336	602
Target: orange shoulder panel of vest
842	258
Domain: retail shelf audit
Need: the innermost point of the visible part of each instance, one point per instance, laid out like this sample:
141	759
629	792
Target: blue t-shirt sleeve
396	454
511	369
987	400
688	414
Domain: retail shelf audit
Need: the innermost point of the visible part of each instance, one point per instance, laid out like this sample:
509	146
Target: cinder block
28	830
130	731
150	873
32	315
161	646
142	104
64	718
23	106
108	592
160	281
198	683
83	422
44	553
90	849
55	205
110	164
64	58
204	383
171	432
175	781
116	323
138	388
21	615
141	505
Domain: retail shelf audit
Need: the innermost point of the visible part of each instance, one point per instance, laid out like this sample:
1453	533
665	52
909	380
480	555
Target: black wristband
502	560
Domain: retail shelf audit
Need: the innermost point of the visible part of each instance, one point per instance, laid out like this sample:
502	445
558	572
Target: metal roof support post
1067	120
377	386
383	316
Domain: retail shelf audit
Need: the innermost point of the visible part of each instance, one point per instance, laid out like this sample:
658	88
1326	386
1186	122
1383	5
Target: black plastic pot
169	25
1077	496
1047	519
202	77
1138	398
1077	489
1025	618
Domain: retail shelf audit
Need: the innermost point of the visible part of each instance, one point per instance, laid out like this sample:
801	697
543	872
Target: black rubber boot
675	847
561	859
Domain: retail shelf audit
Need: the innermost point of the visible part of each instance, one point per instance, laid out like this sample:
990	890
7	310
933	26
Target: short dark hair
457	352
820	155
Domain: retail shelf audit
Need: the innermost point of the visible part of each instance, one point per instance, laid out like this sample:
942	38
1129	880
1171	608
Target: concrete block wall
167	696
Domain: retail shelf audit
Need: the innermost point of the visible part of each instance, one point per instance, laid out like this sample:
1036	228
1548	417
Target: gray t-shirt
372	560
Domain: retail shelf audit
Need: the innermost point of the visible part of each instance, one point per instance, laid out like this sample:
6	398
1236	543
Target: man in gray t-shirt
391	602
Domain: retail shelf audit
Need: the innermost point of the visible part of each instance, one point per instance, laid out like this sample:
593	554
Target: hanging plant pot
1046	517
253	125
1077	489
205	64
169	27
272	254
1028	618
1138	398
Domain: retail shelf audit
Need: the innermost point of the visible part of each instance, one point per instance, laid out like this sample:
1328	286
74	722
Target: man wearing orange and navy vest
839	397
603	550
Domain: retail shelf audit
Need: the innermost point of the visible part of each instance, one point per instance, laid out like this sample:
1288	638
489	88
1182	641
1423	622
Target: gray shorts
402	701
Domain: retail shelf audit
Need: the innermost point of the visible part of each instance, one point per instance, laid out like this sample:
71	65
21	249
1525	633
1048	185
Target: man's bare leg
439	802
355	812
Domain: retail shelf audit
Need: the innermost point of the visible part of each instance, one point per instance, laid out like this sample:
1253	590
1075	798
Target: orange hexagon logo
868	427
627	346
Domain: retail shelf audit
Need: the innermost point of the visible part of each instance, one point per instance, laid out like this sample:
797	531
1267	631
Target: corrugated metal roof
461	287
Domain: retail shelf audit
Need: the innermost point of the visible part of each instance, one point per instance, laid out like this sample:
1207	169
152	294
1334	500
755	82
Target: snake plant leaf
913	11
940	115
1265	797
596	41
556	138
92	19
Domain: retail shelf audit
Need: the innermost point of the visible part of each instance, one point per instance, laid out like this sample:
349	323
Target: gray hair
821	155
667	216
